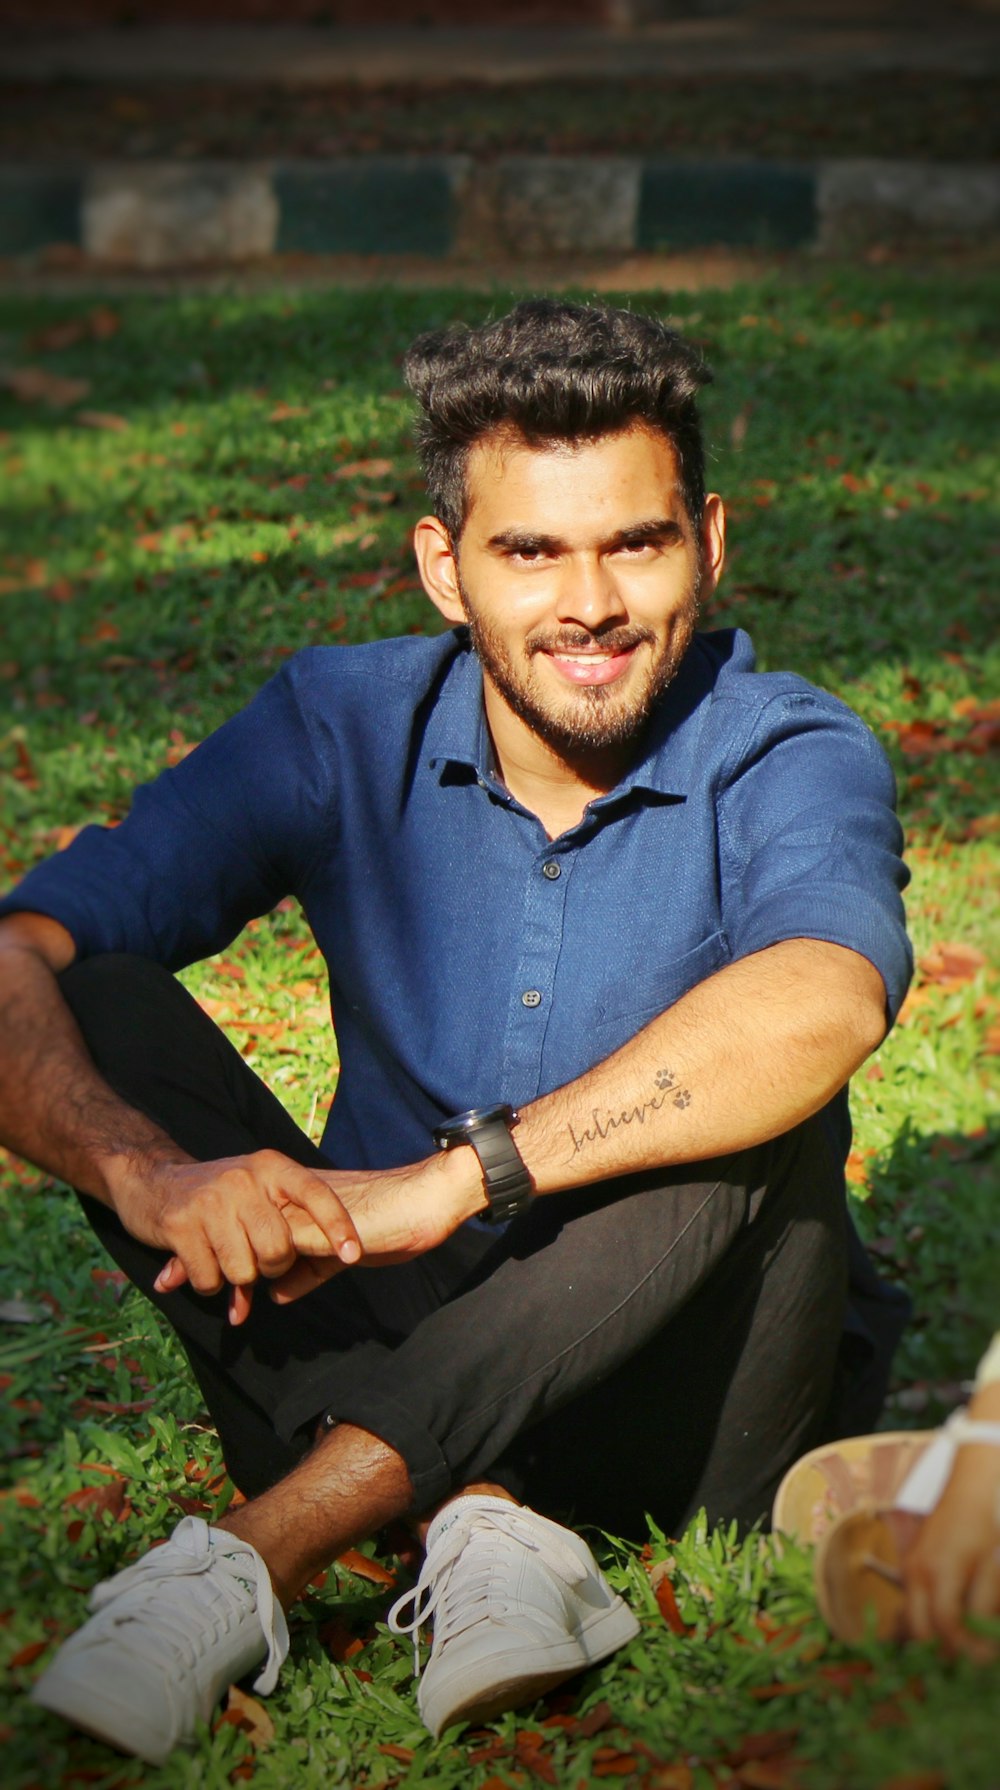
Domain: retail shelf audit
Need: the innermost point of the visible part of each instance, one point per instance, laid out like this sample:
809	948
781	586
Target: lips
592	667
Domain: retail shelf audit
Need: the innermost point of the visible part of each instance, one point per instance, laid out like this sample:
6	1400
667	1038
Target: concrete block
871	201
38	207
176	214
544	205
369	205
686	204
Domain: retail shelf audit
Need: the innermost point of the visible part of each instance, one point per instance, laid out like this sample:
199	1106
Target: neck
555	787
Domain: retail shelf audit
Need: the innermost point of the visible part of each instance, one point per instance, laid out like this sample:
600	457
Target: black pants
659	1342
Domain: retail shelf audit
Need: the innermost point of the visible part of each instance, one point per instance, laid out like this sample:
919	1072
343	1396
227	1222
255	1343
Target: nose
589	595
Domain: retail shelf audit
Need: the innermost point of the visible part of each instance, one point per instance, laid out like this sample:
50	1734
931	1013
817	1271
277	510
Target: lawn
928	116
197	486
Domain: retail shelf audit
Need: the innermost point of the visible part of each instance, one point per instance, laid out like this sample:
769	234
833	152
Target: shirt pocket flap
652	991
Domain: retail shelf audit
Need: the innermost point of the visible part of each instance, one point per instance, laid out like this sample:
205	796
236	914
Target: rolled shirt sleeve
213	842
810	844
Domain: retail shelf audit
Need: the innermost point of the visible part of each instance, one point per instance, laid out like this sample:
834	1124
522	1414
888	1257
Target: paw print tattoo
665	1078
683	1098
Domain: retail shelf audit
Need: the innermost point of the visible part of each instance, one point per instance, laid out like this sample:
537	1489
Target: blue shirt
472	959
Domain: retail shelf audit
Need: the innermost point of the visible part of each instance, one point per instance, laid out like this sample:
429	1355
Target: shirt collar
457	731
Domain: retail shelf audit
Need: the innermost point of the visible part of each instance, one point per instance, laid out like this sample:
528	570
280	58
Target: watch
508	1184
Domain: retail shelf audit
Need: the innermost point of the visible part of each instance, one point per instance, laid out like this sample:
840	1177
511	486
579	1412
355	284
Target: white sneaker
168	1636
519	1604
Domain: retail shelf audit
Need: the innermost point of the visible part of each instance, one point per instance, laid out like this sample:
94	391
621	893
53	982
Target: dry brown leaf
363	1568
96	1498
102	419
35	385
252	1719
364	469
951	963
670	1777
282	411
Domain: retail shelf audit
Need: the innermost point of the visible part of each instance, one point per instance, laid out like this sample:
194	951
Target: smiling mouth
596	666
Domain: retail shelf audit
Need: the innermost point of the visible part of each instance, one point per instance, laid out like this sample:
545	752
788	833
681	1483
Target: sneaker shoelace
457	1601
236	1582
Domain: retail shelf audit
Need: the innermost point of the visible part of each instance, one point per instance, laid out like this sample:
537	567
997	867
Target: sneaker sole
114	1726
523	1680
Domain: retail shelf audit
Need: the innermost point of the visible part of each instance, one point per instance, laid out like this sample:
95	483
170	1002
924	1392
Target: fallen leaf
245	1713
28	1655
97	1498
35	385
763	1745
364	1568
403	1753
596	1719
777	1773
102	419
608	1763
96	326
951	963
282	412
666	1598
363	469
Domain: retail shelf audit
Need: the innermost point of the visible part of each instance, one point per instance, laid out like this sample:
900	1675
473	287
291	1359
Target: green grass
151	577
947	117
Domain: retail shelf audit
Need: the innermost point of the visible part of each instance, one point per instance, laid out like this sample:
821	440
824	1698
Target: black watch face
463	1123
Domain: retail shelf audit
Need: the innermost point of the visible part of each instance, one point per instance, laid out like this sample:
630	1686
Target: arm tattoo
668	1089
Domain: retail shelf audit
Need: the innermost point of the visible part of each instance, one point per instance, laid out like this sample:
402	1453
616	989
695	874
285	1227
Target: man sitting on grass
610	919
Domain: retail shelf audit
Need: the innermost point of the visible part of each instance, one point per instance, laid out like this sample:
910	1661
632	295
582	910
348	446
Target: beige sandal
838	1478
858	1581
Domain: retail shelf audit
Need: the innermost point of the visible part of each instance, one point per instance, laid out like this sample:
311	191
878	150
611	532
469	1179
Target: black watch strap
506	1180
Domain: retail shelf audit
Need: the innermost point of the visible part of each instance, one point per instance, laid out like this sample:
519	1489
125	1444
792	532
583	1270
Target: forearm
741	1058
55	1108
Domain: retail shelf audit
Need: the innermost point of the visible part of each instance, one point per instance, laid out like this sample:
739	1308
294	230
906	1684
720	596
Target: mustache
579	640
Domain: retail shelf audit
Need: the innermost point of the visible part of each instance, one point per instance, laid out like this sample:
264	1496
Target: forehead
611	481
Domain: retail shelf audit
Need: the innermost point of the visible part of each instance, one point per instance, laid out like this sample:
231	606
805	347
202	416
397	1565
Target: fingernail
350	1251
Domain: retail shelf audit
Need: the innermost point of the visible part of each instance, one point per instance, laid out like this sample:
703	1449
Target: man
610	920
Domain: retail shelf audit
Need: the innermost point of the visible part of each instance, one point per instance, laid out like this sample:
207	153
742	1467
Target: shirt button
551	869
531	998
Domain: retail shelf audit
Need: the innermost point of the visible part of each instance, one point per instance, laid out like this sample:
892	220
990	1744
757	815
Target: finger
198	1259
172	1275
304	1189
983	1600
918	1606
268	1237
240	1304
233	1250
308	1273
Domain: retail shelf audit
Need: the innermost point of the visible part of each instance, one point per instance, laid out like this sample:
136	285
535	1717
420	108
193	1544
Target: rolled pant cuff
427	1467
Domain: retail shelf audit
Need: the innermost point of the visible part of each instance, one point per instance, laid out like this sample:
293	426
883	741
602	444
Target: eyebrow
636	534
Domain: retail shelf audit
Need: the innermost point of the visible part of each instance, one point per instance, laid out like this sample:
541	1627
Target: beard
590	718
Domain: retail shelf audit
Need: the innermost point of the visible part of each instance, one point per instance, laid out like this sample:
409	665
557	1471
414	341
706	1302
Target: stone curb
183	214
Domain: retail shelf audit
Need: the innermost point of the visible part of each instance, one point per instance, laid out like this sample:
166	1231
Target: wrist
462	1174
128	1175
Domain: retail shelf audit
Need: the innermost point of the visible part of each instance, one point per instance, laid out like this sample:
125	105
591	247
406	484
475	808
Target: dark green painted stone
38	208
376	206
685	204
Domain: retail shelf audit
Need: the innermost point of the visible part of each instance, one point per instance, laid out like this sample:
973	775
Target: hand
392	1215
399	1213
236	1219
953	1569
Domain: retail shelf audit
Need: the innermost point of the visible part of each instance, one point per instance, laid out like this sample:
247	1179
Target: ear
713	542
437	567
